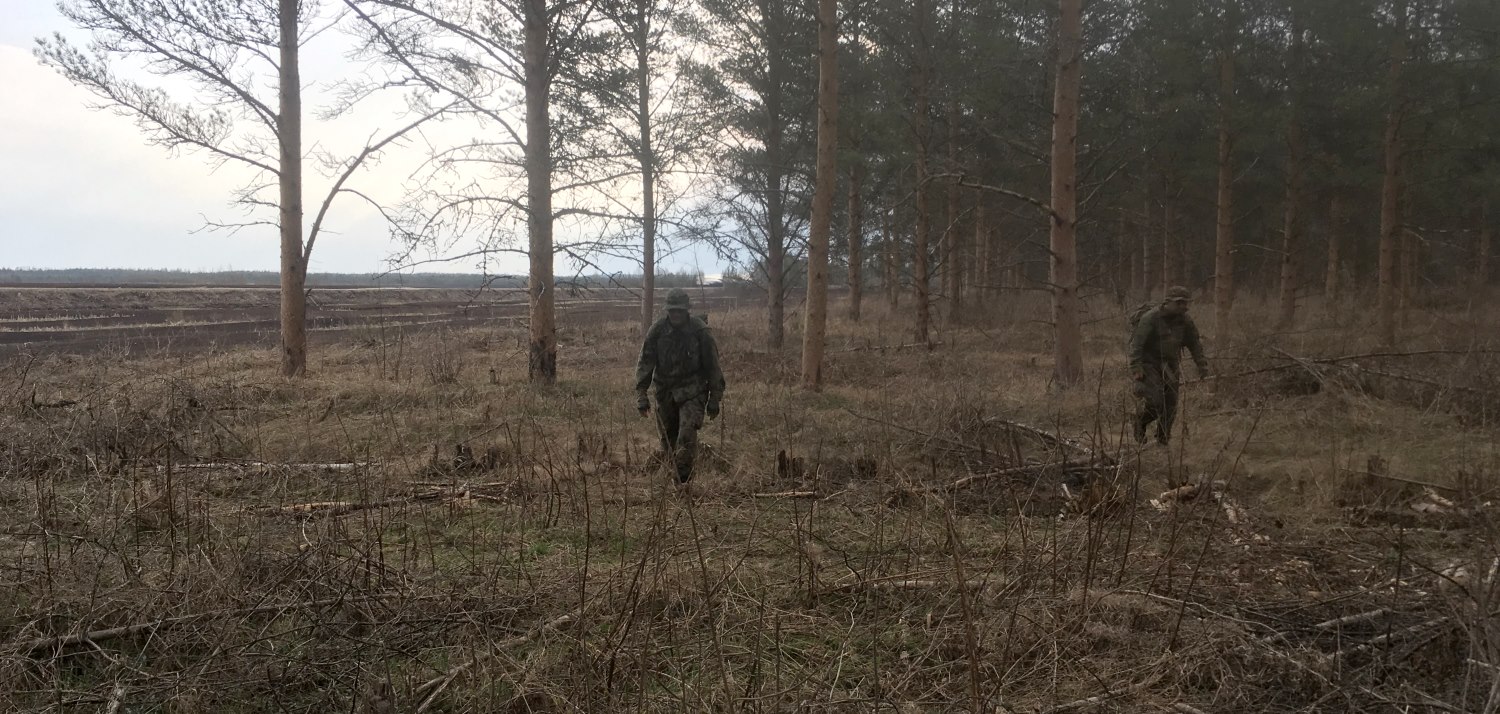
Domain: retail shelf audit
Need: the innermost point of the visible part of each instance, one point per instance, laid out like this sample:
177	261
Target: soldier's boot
1140	429
1164	425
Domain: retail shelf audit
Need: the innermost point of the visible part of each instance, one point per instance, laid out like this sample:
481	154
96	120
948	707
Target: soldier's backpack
1140	312
702	318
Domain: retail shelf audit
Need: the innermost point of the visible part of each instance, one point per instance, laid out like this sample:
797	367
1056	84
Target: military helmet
1177	292
678	300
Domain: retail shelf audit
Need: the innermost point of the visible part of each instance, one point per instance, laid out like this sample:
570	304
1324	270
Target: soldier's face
678	318
1177	307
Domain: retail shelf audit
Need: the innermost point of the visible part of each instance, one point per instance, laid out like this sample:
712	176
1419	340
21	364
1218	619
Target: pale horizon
84	189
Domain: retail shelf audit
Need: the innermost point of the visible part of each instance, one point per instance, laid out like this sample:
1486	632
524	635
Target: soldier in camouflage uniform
680	360
1156	345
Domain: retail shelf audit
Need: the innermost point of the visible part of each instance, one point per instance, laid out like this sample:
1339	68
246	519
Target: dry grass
503	547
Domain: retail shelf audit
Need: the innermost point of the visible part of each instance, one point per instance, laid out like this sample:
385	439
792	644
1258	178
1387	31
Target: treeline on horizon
270	278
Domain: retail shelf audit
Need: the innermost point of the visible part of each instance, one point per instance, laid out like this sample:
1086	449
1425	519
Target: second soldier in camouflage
1156	345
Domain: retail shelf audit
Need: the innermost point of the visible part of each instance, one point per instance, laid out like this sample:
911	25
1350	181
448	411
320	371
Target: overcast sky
81	188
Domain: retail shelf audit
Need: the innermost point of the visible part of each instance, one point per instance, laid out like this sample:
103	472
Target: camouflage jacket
681	360
1158	341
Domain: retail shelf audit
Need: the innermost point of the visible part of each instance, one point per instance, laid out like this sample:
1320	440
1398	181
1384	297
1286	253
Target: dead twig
1336	623
883	348
430	689
909	430
1418	353
912	578
339	508
1060	442
1029	469
1354	619
116	700
241	465
111	633
1102	698
1388	638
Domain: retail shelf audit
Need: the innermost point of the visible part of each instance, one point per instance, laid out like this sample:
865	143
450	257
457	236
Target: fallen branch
883	348
972	479
430	689
460	486
1388	638
1354	619
1102	698
931	437
1185	709
59	404
1338	622
1419	353
1399	479
1306	366
111	633
239	465
788	494
1419	380
971	585
1049	438
1234	375
339	508
916	580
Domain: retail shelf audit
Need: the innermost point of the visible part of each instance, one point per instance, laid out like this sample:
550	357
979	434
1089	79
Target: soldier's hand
643	405
1138	375
712	410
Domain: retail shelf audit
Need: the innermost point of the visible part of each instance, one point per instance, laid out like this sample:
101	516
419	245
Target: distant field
135	318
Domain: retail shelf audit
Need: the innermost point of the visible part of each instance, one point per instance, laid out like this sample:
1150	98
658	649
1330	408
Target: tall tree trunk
1291	226
1390	189
1335	239
1410	267
1150	276
1069	342
1168	243
1482	251
1124	259
1224	236
815	322
920	250
892	281
952	272
856	211
1292	223
977	255
542	354
775	198
775	266
986	289
293	262
647	159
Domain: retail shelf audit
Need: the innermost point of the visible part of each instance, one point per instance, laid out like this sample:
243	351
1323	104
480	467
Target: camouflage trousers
679	422
1158	402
